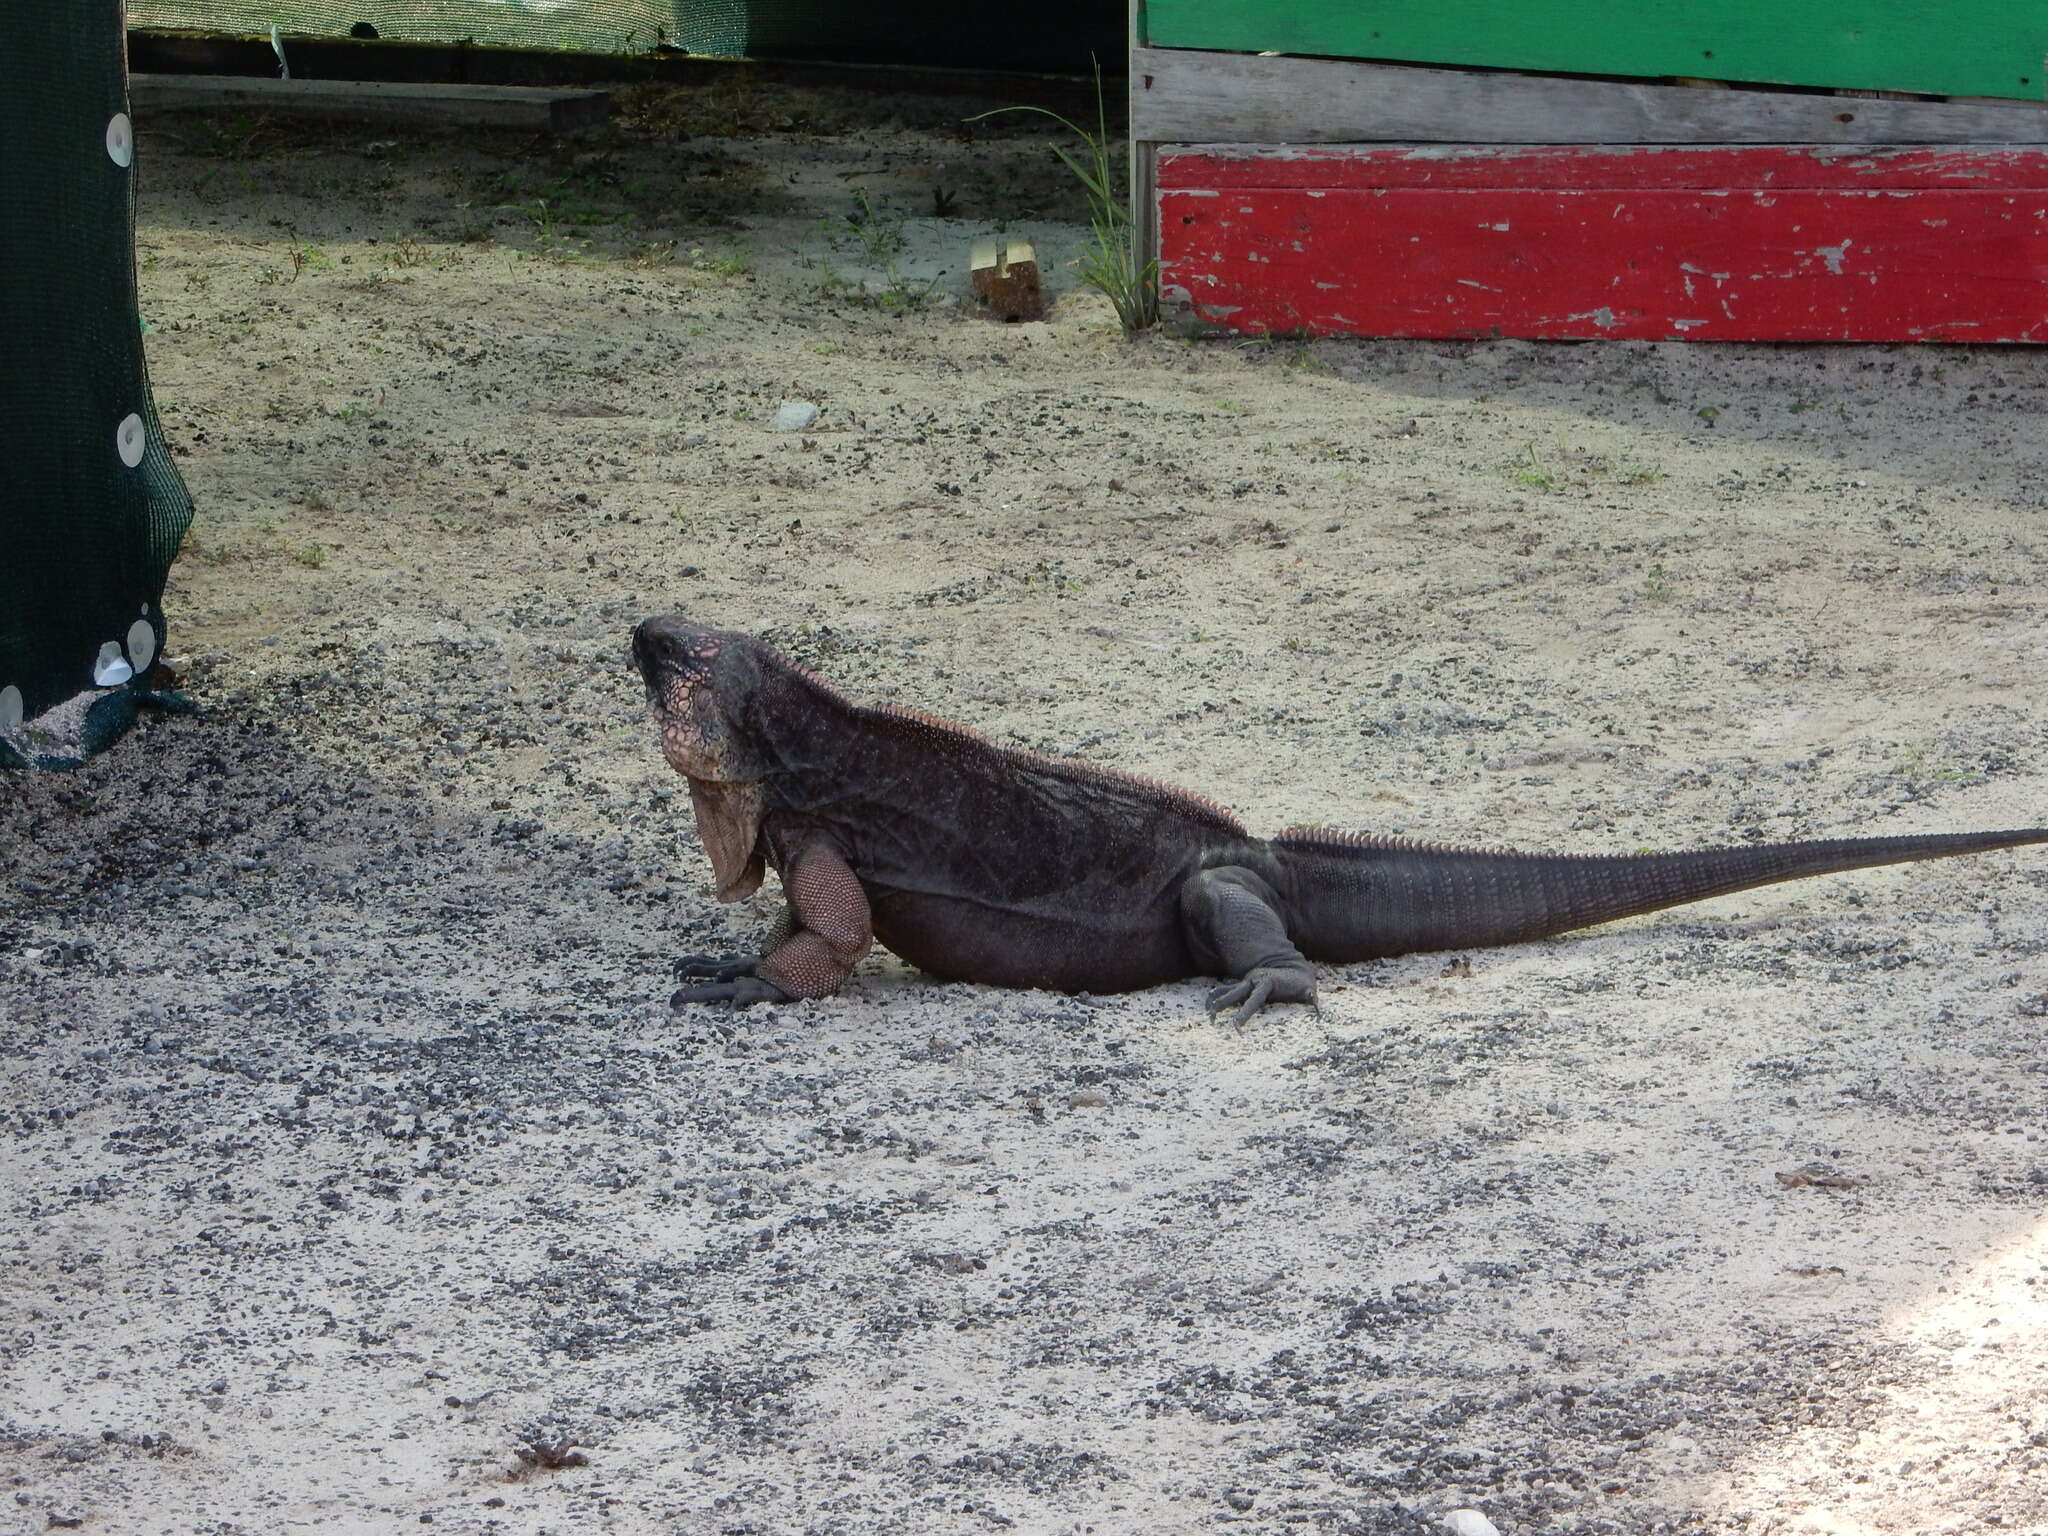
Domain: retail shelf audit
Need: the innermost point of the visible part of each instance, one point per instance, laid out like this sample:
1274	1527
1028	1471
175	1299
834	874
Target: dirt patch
356	1172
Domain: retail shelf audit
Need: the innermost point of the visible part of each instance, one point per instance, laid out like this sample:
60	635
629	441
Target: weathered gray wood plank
1183	96
502	106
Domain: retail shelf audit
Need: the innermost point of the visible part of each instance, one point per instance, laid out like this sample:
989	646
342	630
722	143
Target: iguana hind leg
1232	923
813	947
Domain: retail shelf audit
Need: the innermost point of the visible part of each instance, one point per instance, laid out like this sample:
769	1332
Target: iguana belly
1078	951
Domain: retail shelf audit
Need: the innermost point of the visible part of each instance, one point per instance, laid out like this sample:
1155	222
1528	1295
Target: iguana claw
742	992
715	967
1263	985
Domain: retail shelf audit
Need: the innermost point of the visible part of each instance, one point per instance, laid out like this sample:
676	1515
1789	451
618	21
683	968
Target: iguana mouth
677	660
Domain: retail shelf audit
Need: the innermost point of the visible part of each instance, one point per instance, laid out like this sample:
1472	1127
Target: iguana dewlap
982	863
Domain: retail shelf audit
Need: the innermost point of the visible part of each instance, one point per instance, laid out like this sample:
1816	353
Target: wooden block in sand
1006	277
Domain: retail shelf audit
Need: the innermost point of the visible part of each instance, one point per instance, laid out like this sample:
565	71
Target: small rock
1089	1098
1468	1522
794	416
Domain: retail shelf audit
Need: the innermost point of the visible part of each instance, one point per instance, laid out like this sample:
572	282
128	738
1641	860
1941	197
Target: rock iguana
978	862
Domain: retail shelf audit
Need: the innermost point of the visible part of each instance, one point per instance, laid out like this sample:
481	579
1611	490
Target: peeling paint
1441	240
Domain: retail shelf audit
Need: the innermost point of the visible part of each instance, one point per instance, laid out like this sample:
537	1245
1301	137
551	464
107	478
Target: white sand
351	1146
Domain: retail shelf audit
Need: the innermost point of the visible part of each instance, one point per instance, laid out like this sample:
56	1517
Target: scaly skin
980	863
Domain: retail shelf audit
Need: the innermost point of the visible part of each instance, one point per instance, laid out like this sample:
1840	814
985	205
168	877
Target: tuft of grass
729	263
550	242
879	230
312	556
307	257
1110	262
1534	473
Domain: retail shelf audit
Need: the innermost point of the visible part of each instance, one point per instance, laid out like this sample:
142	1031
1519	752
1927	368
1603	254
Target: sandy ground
355	1169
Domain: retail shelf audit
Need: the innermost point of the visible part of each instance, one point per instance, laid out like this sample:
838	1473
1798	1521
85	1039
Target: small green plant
730	263
307	257
1641	474
879	232
1305	359
312	556
1930	762
1110	263
1533	472
549	241
1657	583
904	294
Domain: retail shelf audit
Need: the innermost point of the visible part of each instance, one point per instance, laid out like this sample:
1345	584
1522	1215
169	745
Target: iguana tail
1361	898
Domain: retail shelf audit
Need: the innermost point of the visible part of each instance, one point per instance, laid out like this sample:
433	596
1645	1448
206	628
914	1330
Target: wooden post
1144	157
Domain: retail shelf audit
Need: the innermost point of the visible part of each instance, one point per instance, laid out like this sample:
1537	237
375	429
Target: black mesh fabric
91	509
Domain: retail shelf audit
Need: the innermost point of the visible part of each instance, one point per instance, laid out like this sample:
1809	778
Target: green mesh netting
581	26
91	510
1059	35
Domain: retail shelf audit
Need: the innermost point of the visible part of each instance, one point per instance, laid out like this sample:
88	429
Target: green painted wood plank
1985	48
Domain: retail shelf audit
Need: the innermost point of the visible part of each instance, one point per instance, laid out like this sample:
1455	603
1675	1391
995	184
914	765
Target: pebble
794	416
1468	1522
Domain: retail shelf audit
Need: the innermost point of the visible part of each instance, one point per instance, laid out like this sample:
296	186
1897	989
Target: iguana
978	862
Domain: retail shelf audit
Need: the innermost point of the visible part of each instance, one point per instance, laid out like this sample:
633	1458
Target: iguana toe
715	967
742	992
1262	985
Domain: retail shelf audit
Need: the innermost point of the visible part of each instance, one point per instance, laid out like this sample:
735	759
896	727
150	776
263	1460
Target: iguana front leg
1231	919
812	949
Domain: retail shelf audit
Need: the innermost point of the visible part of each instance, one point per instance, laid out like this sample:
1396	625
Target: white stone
110	668
794	416
1468	1522
141	645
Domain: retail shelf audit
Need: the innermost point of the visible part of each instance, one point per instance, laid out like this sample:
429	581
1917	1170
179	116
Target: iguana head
690	671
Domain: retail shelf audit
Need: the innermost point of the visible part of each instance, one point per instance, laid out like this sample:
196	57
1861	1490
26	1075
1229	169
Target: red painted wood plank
1444	166
1725	263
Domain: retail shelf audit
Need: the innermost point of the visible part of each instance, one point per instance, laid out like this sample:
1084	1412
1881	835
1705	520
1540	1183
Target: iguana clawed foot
715	967
727	979
743	992
1262	985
